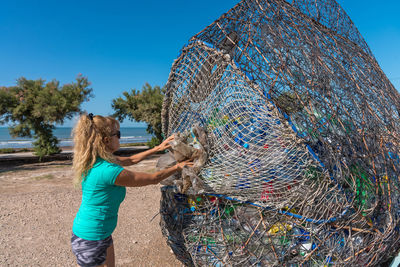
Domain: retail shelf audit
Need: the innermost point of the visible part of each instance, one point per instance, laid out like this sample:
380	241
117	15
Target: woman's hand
165	144
182	164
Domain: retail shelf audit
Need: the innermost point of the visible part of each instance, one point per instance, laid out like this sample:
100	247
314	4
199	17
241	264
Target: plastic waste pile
187	146
294	131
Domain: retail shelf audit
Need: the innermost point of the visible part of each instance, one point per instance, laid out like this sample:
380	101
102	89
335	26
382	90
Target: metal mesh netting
302	129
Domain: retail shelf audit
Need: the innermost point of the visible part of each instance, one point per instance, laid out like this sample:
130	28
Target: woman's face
112	141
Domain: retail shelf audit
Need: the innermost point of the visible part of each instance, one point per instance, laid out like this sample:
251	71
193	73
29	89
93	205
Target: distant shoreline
12	150
129	135
20	158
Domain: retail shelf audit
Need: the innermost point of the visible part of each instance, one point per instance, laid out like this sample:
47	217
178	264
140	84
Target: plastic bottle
229	211
305	248
280	227
268	191
243	183
192	204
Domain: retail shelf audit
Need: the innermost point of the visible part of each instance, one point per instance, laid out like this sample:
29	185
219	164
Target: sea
64	136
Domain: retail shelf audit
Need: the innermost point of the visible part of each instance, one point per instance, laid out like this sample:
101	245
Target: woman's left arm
127	161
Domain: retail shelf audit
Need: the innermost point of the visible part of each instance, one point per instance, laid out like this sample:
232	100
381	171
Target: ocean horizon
64	136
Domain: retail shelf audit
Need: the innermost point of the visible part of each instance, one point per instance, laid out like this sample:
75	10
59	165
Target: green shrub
7	150
153	142
133	144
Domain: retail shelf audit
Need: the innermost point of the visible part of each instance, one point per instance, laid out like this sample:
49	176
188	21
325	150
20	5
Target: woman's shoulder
102	163
105	172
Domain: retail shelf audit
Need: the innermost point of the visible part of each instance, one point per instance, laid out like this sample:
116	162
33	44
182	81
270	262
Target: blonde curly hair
89	144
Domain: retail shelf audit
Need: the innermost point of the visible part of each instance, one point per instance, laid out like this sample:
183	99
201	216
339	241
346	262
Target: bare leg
110	260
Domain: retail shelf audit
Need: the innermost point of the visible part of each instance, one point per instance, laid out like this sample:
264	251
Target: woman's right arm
136	179
127	161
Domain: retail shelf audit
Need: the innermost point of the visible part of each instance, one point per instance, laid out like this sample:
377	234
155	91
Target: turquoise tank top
98	214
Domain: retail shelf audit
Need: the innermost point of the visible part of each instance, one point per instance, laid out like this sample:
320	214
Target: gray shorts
90	253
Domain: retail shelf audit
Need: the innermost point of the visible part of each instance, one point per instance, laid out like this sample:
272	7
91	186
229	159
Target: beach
39	203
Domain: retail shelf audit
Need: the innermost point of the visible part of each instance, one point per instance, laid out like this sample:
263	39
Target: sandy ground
39	203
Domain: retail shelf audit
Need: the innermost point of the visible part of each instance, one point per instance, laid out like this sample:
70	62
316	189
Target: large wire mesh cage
302	148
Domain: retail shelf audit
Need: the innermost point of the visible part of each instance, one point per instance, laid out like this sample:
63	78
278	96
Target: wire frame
303	138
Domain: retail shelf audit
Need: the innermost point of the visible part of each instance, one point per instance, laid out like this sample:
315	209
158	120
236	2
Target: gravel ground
39	203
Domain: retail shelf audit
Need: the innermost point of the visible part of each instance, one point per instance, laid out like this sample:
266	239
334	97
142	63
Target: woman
103	183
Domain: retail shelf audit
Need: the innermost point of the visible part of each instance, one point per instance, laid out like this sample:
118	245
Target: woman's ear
106	140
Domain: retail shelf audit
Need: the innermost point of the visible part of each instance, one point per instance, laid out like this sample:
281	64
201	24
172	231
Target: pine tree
142	106
34	106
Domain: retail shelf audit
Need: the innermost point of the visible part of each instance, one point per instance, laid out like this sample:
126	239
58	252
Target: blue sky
121	45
